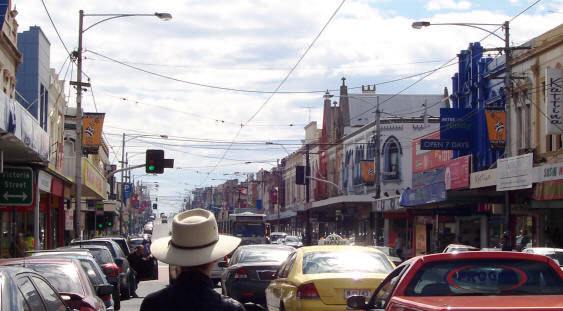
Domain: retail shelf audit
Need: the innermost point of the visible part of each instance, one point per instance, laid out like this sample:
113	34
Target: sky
142	69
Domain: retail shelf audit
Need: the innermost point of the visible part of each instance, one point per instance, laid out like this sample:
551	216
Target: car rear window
63	277
345	262
102	243
92	272
102	256
263	255
485	277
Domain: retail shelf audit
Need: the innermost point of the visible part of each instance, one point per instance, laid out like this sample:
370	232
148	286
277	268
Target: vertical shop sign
553	99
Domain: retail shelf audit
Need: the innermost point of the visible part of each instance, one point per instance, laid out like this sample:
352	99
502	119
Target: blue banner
127	190
259	204
456	124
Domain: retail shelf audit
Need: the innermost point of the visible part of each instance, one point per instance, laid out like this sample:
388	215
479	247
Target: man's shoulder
229	304
153	300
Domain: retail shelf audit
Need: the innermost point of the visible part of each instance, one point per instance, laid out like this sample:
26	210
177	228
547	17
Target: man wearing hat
195	245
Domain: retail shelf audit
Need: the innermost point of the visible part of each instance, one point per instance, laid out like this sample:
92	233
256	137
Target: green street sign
16	186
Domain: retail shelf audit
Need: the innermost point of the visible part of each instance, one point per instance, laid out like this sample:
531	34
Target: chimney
344	103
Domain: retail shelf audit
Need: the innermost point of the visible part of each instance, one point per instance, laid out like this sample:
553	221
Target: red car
68	278
469	281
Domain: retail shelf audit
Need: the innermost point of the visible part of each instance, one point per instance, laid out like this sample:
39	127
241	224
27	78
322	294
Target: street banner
456	124
496	120
367	168
515	172
92	126
457	173
127	190
553	99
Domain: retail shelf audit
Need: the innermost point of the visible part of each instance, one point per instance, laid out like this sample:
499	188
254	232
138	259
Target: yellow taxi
316	278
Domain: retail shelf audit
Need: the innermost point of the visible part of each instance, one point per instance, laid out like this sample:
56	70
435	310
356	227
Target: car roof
483	255
23	260
460	246
266	246
12	270
338	248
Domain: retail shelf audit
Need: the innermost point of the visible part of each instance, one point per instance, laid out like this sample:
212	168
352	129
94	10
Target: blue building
33	77
478	87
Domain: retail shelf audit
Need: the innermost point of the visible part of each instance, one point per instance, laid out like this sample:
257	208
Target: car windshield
63	277
485	277
262	254
292	239
345	262
249	229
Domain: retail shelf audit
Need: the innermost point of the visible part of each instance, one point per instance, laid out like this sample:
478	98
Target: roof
22	261
338	248
362	106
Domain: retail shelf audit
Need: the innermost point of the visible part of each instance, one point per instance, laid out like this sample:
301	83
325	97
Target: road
146	287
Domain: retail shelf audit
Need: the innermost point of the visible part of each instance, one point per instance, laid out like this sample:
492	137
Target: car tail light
307	291
110	269
241	273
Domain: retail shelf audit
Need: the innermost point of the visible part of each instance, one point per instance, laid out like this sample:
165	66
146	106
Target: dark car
103	257
126	274
122	242
250	270
68	277
92	269
25	289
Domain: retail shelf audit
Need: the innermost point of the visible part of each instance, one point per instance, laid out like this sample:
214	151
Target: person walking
195	245
140	264
505	244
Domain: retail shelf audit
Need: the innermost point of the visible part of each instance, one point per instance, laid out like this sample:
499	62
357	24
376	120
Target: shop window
391	156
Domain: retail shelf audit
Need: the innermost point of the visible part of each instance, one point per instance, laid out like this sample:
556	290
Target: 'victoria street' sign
16	184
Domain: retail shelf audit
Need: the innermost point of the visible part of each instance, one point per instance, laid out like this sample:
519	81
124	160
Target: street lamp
507	81
79	84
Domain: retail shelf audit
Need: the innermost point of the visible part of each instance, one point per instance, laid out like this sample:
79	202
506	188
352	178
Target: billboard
424	160
496	120
456	124
457	173
92	126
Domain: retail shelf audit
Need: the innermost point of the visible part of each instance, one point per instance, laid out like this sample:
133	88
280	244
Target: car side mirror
356	302
223	264
104	290
119	262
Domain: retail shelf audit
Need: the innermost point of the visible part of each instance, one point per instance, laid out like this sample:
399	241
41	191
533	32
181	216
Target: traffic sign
16	184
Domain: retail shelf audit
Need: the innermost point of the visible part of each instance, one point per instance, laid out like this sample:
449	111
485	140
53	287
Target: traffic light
155	161
154	206
101	226
301	175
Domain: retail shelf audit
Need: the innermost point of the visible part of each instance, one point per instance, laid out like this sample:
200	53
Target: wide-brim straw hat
195	240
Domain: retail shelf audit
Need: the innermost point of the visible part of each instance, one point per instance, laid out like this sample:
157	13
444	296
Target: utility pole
507	92
377	168
278	193
308	238
78	141
122	187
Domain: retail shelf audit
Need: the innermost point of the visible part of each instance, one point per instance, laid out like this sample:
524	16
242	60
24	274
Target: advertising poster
495	127
367	169
424	160
457	173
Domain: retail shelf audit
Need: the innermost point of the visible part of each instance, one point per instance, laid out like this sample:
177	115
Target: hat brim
162	250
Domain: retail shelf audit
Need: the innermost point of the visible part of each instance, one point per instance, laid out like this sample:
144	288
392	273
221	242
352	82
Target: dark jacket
191	291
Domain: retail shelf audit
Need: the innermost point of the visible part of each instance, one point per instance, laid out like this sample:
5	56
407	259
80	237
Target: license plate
357	292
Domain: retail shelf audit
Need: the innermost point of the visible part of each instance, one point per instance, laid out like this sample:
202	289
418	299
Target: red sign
457	173
424	160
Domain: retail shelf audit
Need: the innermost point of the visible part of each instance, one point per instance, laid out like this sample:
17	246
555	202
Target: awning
353	198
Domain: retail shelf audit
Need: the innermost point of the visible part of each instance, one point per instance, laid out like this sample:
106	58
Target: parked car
250	270
456	248
277	237
134	242
322	277
90	266
553	253
69	278
126	274
122	242
292	241
103	257
25	289
469	281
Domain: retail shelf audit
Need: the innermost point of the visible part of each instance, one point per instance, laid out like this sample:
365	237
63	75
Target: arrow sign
17	186
22	196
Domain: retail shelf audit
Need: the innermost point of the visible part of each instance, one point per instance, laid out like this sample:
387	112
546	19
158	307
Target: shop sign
457	173
456	126
438	144
549	190
554	100
496	128
387	204
44	180
482	179
428	187
17	186
69	220
367	169
548	172
515	172
93	179
424	160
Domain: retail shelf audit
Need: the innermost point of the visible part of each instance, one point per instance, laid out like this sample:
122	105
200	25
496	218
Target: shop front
548	204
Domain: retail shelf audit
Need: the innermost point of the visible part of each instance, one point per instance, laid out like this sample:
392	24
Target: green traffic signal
109	224
100	226
151	168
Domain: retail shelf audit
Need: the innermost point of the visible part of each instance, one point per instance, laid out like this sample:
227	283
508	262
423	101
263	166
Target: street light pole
78	141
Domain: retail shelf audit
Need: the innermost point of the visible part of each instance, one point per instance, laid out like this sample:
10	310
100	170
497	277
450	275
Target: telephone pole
308	238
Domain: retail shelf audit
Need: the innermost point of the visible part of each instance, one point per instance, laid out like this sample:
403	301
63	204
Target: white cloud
435	5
